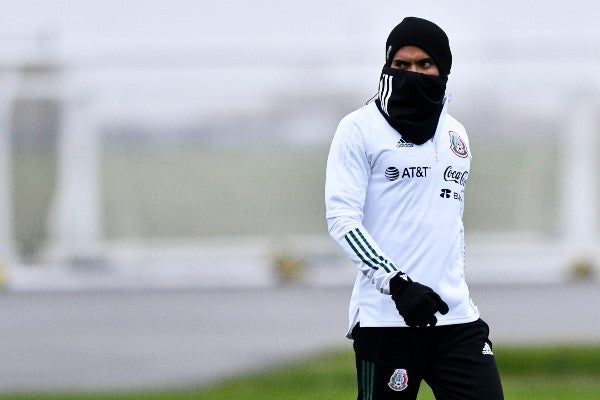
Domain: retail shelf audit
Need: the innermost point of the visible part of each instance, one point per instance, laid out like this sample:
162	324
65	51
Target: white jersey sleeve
347	176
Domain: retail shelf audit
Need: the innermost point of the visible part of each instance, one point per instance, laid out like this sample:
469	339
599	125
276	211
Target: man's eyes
424	64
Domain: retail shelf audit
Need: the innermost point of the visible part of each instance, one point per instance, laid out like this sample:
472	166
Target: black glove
415	302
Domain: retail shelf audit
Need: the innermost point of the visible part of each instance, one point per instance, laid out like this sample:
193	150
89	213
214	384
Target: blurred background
182	144
134	132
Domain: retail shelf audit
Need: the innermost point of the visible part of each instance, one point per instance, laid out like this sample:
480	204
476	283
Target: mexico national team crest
398	380
458	145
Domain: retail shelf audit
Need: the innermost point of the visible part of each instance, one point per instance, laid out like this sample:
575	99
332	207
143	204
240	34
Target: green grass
171	192
199	192
544	373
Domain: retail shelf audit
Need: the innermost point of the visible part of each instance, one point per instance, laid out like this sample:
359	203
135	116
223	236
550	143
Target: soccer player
396	175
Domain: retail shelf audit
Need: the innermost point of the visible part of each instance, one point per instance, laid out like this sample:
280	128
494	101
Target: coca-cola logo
459	177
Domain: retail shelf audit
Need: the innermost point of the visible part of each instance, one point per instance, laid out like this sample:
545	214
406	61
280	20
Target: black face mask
411	102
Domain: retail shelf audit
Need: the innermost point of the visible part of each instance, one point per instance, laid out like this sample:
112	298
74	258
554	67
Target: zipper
436	137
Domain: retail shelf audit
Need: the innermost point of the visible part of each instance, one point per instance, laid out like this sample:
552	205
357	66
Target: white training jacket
395	206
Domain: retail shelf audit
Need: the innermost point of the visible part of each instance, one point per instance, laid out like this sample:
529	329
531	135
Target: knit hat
426	35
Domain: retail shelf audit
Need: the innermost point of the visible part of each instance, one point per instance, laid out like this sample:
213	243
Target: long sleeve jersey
396	206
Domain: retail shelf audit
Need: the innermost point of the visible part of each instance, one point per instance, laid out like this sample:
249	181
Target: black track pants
456	361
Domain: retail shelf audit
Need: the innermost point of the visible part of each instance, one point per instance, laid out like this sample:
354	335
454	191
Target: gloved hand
415	302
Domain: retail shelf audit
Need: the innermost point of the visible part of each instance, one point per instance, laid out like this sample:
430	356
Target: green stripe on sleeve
363	246
360	255
368	255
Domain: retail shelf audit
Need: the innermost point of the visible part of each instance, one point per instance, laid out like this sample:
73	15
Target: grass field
527	373
195	191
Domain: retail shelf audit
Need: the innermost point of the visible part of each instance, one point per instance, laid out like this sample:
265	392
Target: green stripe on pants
367	379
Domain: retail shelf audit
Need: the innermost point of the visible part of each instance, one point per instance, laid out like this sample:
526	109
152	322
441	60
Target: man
396	175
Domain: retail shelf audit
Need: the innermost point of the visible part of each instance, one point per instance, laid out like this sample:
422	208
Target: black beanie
413	31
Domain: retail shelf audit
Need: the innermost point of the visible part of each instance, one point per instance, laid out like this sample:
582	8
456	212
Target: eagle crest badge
398	380
458	145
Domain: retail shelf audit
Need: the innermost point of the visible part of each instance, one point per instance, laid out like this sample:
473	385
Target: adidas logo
487	349
404	143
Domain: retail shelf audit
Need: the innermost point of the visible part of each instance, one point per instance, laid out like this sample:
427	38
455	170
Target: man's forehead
411	52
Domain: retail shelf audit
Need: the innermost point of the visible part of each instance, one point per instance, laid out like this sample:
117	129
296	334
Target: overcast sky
116	20
248	48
